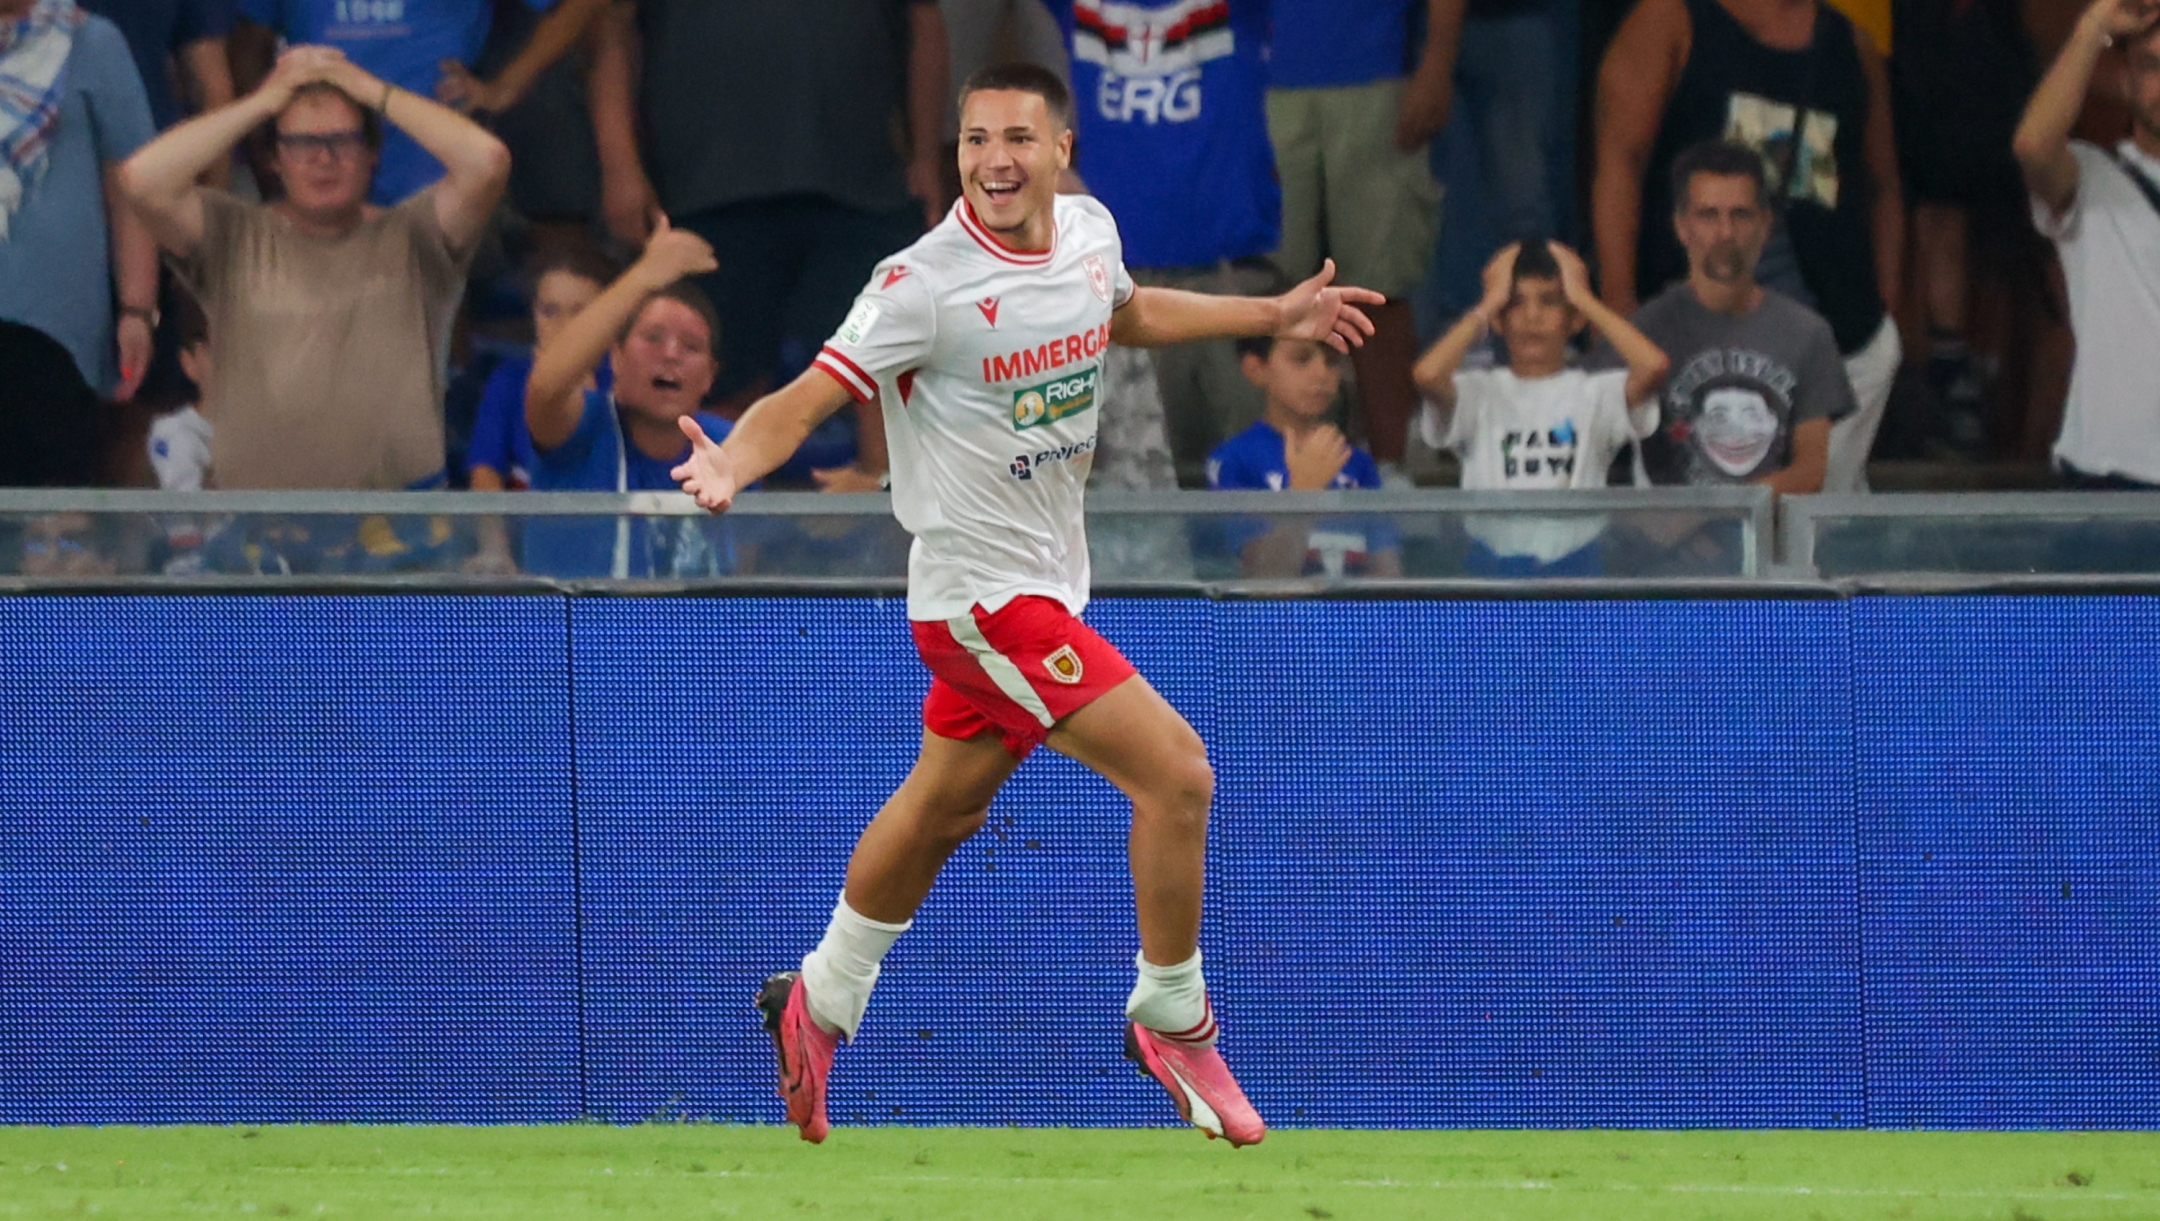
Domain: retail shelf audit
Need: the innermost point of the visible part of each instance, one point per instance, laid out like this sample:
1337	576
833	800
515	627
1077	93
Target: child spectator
501	456
1293	447
180	440
1538	424
665	338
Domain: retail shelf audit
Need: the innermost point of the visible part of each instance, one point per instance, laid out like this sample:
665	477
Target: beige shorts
1347	192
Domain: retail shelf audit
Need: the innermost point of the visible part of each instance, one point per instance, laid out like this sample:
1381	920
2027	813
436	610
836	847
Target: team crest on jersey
1054	400
1098	275
1064	665
859	321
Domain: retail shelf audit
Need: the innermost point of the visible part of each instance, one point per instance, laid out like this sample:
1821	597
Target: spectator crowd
406	244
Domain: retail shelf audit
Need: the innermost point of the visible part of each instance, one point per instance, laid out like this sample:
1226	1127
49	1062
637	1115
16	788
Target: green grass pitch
1020	1174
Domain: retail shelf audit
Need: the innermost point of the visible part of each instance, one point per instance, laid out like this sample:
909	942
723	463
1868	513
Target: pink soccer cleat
1199	1083
806	1053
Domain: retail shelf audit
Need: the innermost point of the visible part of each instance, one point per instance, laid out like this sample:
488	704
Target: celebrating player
983	342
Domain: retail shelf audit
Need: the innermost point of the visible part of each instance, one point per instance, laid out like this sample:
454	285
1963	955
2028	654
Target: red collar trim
989	241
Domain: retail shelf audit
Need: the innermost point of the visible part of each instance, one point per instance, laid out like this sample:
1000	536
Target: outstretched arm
1646	362
1316	309
555	390
767	435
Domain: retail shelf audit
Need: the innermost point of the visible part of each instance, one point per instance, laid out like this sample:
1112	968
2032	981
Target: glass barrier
1973	533
1135	538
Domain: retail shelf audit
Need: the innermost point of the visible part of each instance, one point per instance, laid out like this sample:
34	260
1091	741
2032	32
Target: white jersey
988	362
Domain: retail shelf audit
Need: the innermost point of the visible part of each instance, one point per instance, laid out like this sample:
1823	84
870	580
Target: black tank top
1735	86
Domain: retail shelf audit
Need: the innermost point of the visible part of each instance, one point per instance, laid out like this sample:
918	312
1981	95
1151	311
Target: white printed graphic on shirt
1544	433
1737	428
987	362
1151	56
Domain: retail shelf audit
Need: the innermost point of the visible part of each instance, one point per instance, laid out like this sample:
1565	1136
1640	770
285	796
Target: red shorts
1015	672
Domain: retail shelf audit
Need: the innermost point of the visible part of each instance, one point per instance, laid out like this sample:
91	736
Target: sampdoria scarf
33	80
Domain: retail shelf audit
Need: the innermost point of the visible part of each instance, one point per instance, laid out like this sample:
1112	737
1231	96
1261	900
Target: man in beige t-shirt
328	316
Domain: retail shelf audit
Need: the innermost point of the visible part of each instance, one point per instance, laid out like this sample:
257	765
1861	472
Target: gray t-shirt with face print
1739	385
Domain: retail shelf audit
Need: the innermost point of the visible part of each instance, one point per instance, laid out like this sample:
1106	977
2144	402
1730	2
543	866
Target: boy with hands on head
1538	424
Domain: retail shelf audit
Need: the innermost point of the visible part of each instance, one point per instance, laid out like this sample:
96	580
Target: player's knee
952	827
1185	788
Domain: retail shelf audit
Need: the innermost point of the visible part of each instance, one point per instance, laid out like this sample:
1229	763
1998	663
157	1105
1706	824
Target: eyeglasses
336	145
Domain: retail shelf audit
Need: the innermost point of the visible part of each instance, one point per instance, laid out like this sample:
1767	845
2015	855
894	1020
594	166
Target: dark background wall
1886	861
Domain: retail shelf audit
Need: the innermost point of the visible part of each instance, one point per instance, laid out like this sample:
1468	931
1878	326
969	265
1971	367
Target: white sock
844	967
1173	1002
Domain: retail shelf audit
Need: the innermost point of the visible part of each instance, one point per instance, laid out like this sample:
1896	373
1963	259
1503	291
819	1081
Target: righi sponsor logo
1052	401
1025	465
1044	357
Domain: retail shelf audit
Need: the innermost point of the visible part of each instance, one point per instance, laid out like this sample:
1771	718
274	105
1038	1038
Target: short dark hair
1261	346
1023	78
1720	159
1535	261
582	262
688	293
371	127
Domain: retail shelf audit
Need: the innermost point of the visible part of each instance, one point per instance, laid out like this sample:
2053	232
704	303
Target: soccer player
983	343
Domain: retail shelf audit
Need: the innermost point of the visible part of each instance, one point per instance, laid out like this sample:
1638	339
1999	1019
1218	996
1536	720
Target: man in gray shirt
1756	377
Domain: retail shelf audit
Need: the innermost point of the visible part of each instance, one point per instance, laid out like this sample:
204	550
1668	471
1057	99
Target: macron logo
988	306
893	275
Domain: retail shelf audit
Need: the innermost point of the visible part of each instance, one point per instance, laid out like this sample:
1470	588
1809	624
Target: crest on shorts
1097	274
1064	665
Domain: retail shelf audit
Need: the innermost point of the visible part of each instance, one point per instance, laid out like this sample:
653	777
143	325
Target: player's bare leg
943	801
1134	739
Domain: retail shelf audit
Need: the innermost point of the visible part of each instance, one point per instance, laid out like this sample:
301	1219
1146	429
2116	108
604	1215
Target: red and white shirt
988	362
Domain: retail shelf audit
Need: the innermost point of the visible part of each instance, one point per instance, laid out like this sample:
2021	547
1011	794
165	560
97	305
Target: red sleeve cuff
860	385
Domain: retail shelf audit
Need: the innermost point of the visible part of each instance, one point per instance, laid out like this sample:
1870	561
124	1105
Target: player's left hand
709	473
1322	310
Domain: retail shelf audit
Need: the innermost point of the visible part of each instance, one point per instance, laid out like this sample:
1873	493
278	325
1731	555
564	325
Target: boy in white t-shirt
1538	424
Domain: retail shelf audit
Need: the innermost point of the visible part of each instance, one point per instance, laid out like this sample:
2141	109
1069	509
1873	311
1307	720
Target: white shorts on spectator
1872	371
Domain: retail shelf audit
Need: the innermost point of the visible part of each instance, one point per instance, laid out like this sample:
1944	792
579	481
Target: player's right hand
709	473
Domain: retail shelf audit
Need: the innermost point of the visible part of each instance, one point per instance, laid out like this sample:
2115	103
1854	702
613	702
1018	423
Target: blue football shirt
597	458
501	441
1172	124
1254	460
1317	44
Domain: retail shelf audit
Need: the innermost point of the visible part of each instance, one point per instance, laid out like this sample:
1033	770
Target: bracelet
148	313
383	107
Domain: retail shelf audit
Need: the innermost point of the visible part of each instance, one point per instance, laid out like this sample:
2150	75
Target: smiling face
665	364
1012	148
322	155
